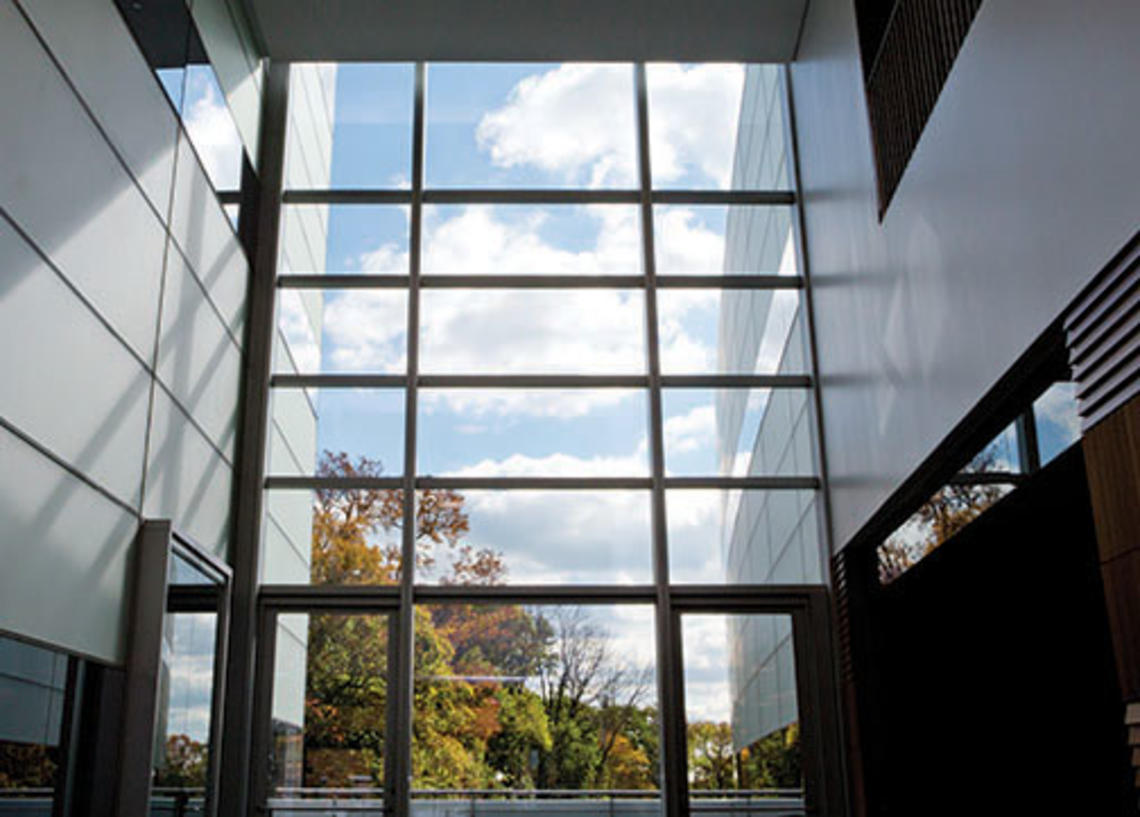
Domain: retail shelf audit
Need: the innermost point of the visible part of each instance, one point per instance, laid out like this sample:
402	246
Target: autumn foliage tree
951	508
481	719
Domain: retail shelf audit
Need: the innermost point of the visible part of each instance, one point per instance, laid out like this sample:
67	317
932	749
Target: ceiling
528	30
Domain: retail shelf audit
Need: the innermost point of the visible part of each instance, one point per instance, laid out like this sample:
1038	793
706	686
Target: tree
590	699
774	761
183	763
348	524
711	759
951	508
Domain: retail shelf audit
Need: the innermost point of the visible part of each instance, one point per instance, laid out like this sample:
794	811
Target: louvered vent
1103	336
915	52
842	592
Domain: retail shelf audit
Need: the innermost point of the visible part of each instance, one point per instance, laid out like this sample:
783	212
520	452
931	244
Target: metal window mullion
397	790
670	695
236	749
540	381
321	280
825	713
539	196
807	307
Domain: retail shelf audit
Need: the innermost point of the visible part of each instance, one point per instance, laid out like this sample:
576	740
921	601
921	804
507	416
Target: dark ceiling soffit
527	30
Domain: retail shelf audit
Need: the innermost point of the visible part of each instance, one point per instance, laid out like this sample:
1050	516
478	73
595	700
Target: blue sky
543	126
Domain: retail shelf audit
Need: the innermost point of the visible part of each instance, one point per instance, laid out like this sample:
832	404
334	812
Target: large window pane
741	714
517	239
370	106
495	331
329	710
536	537
344	239
731	331
532	432
349	330
738	432
180	774
724	240
569	125
514	701
1058	423
364	427
211	128
705	119
33	691
744	536
337	536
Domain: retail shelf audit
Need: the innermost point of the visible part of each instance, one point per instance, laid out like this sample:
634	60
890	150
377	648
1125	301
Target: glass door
325	711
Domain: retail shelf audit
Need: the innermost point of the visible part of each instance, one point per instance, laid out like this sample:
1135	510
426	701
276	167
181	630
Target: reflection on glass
536	537
211	127
737	432
517	239
330	693
170	42
999	455
724	240
532	432
350	330
33	691
694	116
371	106
538	125
741	714
361	426
951	508
181	780
751	331
344	239
743	536
549	331
1058	424
512	701
341	535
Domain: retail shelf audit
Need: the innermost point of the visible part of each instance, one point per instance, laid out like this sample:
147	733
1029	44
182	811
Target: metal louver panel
1102	331
918	48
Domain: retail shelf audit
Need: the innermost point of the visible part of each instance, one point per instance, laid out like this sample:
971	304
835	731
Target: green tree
712	763
773	762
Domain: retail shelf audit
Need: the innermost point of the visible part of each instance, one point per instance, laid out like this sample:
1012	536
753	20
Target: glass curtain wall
541	367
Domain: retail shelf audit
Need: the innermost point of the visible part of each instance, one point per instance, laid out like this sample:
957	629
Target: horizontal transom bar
539	381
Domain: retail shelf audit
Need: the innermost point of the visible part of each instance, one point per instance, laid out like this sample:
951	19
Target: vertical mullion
398	788
674	787
807	305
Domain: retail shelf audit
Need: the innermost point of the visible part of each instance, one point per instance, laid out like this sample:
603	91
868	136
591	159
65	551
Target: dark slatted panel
918	49
841	589
1103	335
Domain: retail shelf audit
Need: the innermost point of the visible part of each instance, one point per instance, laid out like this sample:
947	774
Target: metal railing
358	802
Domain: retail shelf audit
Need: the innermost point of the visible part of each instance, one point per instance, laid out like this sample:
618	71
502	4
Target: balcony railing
368	802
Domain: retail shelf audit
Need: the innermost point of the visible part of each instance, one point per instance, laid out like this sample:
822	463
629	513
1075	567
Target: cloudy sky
539	126
543	126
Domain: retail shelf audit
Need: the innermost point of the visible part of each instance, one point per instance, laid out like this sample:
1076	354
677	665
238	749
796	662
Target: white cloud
705	644
297	329
516	403
693	116
576	121
560	465
540	332
692	431
212	130
1059	405
597	331
365	330
565	537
